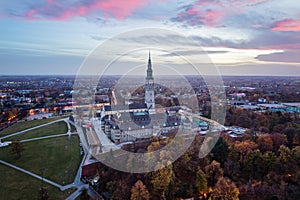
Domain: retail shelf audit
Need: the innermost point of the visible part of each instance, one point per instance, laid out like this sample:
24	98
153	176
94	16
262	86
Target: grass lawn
17	185
51	129
20	126
73	129
59	157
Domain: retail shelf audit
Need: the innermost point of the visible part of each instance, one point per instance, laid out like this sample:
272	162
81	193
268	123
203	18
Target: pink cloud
30	14
287	25
192	11
55	10
50	1
213	16
119	8
289	46
201	15
212	12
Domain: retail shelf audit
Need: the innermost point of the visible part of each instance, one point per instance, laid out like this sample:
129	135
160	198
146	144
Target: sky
238	37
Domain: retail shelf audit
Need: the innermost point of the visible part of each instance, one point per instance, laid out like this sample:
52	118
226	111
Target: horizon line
241	75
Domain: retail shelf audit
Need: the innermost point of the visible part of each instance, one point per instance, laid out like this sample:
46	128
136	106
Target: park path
68	124
29	129
32	174
66	120
49	136
77	183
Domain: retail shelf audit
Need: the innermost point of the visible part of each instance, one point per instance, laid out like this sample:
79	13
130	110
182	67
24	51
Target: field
58	157
17	185
51	129
73	129
20	126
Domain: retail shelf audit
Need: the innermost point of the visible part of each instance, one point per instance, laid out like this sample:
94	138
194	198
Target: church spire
149	70
149	87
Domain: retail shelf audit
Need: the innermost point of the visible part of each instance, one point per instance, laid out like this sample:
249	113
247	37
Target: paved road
210	121
39	126
81	136
107	145
79	190
75	194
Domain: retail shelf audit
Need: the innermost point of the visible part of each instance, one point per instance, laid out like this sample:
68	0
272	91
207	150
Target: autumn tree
286	162
161	180
182	164
289	132
122	191
254	165
296	139
296	154
278	140
213	171
225	190
165	156
265	143
201	182
139	191
244	148
269	161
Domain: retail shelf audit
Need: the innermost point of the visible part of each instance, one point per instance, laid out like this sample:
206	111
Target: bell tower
149	86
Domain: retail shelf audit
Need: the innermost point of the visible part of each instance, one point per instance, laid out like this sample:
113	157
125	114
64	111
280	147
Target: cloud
266	47
287	25
194	17
64	10
264	39
261	69
199	14
218	42
162	37
288	56
212	12
193	53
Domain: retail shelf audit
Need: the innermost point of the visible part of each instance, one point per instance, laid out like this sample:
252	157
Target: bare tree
17	148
